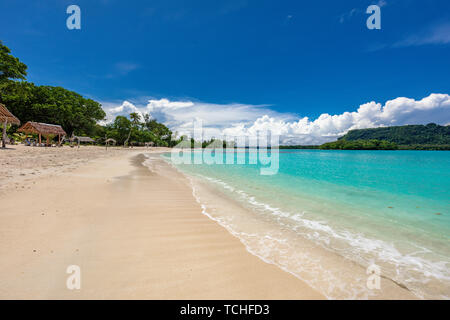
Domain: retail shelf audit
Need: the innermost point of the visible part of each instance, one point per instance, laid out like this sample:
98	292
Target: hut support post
40	139
4	134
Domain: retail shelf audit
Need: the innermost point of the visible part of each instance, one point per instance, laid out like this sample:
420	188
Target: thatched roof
5	115
110	140
41	128
83	139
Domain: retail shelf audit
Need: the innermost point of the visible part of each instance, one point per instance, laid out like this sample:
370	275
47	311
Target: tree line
371	144
138	131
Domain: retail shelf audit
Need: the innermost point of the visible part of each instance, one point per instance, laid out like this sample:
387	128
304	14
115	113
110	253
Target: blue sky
294	58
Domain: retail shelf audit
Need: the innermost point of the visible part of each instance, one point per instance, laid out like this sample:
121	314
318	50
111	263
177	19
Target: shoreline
134	232
220	206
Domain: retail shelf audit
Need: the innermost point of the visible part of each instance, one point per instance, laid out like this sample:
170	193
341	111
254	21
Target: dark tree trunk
4	134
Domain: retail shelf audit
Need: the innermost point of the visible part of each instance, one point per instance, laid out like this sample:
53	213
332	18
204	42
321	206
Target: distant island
409	137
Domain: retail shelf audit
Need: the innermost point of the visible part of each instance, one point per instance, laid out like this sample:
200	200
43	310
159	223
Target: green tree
162	134
119	129
135	119
404	135
135	123
54	105
372	144
10	66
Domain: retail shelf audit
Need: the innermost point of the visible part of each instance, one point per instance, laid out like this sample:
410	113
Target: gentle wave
384	251
410	271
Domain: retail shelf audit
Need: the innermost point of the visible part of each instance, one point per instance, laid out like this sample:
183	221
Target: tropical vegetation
430	134
76	114
371	144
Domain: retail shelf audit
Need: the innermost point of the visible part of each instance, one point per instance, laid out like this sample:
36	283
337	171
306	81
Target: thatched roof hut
83	139
6	116
108	141
43	129
80	140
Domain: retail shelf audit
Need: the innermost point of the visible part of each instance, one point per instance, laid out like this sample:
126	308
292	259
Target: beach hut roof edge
83	139
6	115
42	128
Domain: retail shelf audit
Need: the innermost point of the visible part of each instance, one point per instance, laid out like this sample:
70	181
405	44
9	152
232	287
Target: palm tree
135	118
135	122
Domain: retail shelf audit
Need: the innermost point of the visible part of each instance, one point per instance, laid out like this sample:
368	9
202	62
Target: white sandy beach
135	233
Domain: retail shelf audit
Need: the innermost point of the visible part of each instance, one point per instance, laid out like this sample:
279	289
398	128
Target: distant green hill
410	137
431	134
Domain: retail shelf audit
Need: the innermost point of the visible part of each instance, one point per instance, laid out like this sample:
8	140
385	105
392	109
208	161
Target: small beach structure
6	117
79	140
108	141
84	139
43	129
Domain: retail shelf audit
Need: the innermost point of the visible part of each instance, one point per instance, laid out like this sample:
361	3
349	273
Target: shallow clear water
391	208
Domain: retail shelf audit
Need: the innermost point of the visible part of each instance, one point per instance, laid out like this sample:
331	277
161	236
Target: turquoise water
389	208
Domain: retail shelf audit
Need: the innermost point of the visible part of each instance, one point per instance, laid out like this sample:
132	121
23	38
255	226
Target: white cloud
165	104
381	3
113	110
126	67
247	120
357	11
348	15
179	115
438	34
400	111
